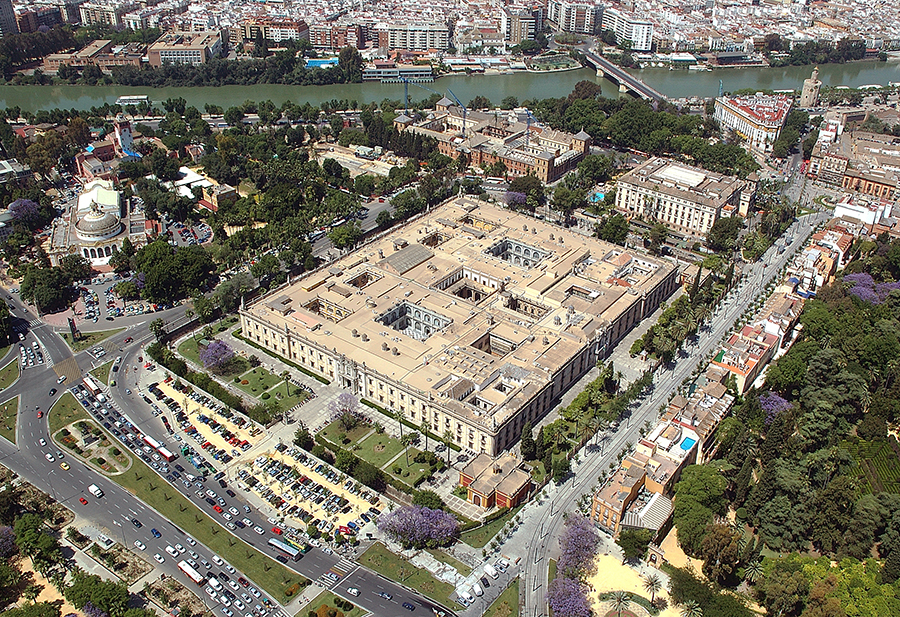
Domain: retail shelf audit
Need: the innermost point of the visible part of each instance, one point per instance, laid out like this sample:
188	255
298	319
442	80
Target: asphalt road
117	508
536	541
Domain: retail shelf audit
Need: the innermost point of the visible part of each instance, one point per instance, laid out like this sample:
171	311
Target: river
674	84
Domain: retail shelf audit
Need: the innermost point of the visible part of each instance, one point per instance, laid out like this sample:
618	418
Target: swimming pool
688	443
596	197
321	62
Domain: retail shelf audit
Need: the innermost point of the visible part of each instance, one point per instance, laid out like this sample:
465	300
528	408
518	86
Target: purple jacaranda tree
568	597
579	547
139	280
8	546
92	611
419	527
216	355
345	409
24	210
773	405
515	199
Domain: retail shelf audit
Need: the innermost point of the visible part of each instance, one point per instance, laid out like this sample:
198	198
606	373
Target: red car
83	501
40	414
128	340
217	509
244	582
276	530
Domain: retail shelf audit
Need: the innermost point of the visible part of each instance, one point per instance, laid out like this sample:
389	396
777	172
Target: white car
239	605
247	522
353	591
49	457
217	560
233	510
172	551
229	567
254	591
140	545
259	530
179	548
191	541
42	441
227	516
233	584
159	558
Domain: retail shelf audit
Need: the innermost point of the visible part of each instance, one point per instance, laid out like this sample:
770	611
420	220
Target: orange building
499	482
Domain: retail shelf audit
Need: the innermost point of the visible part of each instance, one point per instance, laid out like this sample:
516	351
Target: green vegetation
329	599
9	413
65	410
480	536
877	467
89	339
271	576
189	349
258	381
507	603
379	449
396	568
9	374
102	372
333	431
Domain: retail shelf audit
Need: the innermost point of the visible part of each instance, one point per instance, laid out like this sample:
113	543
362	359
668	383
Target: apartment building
185	48
275	30
628	27
687	199
472	318
757	118
108	13
334	37
34	17
518	24
8	23
412	36
573	16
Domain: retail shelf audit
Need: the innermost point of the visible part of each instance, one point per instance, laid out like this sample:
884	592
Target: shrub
265	395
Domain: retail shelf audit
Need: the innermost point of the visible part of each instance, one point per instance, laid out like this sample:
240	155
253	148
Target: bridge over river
627	82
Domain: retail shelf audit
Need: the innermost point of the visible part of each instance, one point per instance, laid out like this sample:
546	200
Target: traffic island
9	413
88	339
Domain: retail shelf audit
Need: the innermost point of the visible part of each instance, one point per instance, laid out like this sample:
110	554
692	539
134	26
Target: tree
527	447
75	267
613	229
345	409
620	602
579	547
350	65
48	288
653	584
691	609
384	219
428	499
561	468
568	597
216	355
303	438
634	543
658	235
158	328
783	592
479	102
723	234
234	116
346	235
419	527
721	551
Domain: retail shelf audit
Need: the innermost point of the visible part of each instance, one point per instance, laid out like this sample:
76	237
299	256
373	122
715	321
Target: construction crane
406	83
458	102
528	125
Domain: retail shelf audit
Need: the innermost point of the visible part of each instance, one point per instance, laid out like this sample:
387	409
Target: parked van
477	589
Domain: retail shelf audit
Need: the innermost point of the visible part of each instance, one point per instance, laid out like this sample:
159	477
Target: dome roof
98	224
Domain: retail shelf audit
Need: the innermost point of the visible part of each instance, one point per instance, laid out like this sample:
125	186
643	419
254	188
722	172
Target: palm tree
691	609
399	418
158	328
620	601
286	376
653	584
448	438
424	428
753	571
597	424
189	314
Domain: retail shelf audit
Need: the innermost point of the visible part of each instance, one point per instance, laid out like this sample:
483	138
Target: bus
190	572
166	454
285	548
152	442
92	386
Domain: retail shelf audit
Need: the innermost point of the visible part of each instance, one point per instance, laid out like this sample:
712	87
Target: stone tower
809	97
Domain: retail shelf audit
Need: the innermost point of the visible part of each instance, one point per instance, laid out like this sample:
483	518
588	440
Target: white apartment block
109	13
686	199
629	28
413	37
757	118
569	16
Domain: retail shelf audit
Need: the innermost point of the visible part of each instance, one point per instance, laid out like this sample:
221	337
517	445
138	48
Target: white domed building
96	226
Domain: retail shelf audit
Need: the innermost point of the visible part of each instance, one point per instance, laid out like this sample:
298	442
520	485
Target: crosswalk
337	572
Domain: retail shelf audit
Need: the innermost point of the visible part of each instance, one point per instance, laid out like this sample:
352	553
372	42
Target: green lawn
9	412
379	449
279	393
152	490
477	538
551	570
415	470
102	372
258	381
326	597
507	603
9	374
188	349
450	561
334	429
396	568
65	411
89	339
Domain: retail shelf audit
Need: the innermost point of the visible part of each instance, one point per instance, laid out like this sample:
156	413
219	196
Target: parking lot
30	355
90	307
305	489
186	235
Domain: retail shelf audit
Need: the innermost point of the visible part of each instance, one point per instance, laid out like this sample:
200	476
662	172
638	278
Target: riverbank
523	85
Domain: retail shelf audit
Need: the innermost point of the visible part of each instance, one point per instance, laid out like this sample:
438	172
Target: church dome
98	225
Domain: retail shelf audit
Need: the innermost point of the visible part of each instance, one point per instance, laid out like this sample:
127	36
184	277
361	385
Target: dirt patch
379	447
612	575
121	562
167	593
49	593
86	439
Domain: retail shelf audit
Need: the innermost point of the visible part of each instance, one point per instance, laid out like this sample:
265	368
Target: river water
674	84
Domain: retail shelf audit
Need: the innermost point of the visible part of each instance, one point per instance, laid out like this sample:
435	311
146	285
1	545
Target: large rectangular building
185	48
687	199
472	318
413	36
627	27
757	118
105	13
